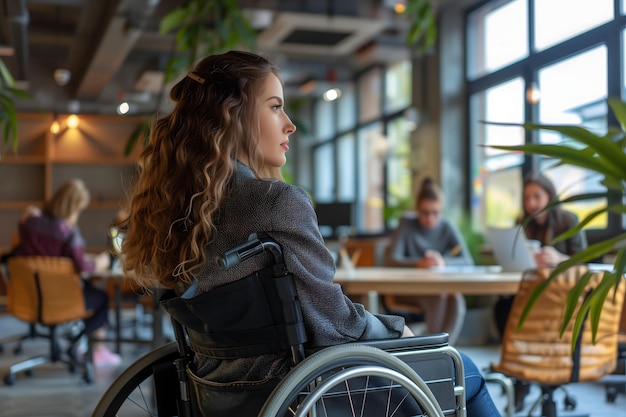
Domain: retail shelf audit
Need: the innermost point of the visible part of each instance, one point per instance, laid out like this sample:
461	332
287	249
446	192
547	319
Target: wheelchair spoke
135	392
367	383
399	405
349	397
142	403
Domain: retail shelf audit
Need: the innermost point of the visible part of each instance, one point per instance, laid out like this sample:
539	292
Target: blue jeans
479	402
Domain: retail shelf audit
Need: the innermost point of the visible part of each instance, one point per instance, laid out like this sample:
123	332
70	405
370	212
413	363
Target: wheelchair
413	376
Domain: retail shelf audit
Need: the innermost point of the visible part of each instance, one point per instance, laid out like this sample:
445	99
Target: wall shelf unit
93	151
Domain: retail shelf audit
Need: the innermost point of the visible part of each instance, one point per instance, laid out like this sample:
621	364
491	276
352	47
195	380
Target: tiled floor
52	392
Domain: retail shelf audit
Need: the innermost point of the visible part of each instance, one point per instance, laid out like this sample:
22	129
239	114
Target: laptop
511	250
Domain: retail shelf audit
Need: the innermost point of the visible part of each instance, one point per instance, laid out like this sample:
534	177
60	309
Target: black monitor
334	218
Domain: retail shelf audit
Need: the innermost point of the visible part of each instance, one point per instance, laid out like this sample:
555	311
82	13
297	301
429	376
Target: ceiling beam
94	21
117	42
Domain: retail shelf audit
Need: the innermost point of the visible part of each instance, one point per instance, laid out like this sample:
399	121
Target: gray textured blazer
286	213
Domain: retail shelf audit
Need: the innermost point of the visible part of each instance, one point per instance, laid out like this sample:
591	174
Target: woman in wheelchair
209	177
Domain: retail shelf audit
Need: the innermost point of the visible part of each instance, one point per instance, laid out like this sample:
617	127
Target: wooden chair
46	291
537	354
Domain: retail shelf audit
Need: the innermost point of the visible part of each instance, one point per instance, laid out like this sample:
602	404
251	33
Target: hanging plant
205	27
201	28
8	113
423	30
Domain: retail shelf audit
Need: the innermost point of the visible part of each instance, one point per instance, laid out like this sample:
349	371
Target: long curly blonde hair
186	168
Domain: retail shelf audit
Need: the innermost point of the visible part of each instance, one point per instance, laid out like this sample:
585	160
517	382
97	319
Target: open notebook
511	250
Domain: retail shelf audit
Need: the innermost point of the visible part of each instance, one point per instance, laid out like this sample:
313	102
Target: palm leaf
578	228
567	155
619	111
608	152
572	300
597	299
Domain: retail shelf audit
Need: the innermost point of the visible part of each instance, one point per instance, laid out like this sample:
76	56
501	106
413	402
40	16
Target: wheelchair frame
351	373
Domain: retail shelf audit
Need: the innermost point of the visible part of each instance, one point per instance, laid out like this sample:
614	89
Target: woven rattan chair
537	354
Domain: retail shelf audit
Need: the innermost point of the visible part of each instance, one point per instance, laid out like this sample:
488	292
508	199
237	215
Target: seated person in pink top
54	232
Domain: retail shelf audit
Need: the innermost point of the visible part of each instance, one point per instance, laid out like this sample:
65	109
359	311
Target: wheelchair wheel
352	380
136	393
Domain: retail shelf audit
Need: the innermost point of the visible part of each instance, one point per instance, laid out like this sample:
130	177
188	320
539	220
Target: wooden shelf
23	159
18	205
95	161
93	152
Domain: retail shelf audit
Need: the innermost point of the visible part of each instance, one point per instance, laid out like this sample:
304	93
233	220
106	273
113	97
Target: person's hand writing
548	256
431	259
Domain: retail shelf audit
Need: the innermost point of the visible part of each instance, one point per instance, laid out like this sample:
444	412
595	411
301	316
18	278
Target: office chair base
549	406
615	383
507	388
27	366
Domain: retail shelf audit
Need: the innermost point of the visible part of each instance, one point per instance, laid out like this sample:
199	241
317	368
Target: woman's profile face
535	198
275	125
429	213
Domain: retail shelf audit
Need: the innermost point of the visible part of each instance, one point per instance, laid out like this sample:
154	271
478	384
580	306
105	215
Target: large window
361	152
566	100
370	92
399	189
398	89
498	37
496	199
540	72
575	17
371	150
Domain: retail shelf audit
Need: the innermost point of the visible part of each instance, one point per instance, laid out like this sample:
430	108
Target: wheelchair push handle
257	243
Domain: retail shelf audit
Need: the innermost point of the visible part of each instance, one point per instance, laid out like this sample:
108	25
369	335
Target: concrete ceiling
114	51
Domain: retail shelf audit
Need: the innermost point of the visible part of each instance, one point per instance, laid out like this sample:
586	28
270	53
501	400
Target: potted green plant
8	113
602	154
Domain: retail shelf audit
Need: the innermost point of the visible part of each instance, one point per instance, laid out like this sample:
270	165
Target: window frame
608	34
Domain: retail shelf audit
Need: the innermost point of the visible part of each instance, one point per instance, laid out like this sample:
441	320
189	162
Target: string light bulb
332	94
533	94
73	121
399	7
123	108
55	127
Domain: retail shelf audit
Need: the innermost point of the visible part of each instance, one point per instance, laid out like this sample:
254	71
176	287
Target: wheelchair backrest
255	315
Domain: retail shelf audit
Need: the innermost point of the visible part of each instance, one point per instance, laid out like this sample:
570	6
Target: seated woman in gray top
424	239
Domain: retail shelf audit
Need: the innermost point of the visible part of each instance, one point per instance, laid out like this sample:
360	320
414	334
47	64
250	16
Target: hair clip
196	77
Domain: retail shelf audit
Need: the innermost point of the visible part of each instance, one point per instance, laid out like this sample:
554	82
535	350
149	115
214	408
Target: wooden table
116	278
479	280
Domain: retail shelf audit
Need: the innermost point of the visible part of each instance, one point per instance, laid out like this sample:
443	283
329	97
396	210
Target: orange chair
537	354
46	291
5	285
